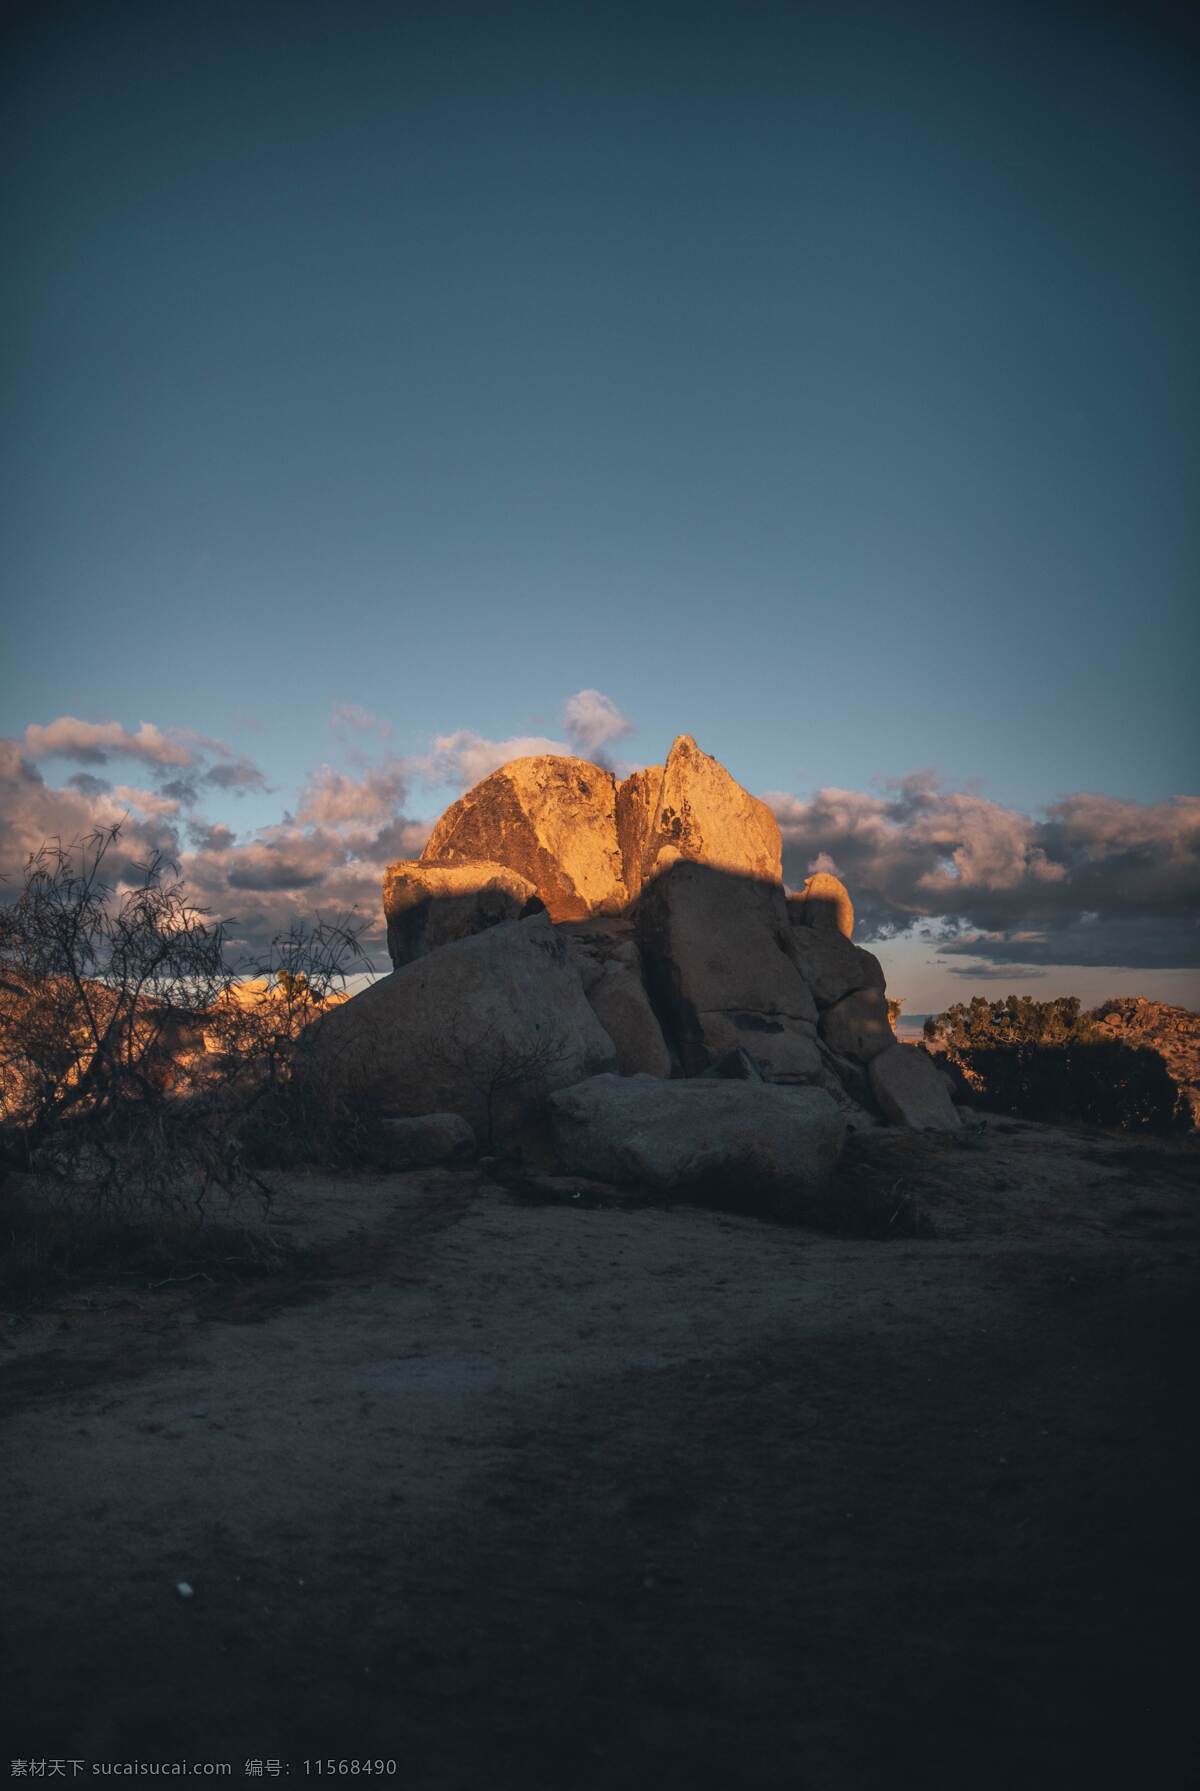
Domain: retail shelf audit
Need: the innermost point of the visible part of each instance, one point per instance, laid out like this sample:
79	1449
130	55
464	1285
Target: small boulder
429	905
426	1139
741	1144
823	901
858	1025
911	1090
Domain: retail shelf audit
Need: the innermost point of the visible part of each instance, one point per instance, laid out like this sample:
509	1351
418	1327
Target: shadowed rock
830	964
427	905
743	1144
715	954
484	1027
429	1138
858	1025
911	1090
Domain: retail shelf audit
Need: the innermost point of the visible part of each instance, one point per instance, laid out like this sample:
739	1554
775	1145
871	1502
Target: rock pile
562	926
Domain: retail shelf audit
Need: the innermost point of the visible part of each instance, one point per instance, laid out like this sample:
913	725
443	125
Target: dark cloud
1094	881
237	775
992	973
88	785
180	789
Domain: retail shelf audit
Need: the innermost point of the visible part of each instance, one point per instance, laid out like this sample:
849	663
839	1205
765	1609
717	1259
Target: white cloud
592	720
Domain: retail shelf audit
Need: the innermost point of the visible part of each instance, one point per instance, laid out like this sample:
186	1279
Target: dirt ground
577	1493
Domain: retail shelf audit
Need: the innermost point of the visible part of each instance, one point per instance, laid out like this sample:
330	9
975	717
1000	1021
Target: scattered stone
911	1090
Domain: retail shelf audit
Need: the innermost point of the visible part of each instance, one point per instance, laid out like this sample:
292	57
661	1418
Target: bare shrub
504	1071
133	1055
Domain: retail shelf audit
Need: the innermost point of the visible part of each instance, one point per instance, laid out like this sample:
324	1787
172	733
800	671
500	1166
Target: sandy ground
586	1494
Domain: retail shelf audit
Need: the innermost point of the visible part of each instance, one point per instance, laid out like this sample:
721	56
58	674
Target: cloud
97	742
147	802
332	797
1100	880
33	812
464	758
993	973
592	720
348	719
89	785
237	774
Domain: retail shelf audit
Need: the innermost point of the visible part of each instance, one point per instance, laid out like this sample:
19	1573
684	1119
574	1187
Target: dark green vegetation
1047	1060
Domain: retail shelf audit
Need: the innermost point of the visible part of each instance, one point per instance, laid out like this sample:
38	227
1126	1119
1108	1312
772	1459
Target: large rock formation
552	820
731	1142
670	949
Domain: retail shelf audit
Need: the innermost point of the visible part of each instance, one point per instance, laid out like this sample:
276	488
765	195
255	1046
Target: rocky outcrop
485	1027
430	905
742	1143
715	955
680	954
911	1091
552	820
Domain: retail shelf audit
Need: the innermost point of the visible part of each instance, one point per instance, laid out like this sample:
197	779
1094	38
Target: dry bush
133	1055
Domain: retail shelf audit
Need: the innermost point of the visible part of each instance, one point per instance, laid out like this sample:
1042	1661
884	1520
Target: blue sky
817	379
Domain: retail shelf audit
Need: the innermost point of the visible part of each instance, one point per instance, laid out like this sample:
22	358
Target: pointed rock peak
706	814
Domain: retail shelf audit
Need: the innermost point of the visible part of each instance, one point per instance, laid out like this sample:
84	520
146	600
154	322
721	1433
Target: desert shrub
133	1054
1046	1060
